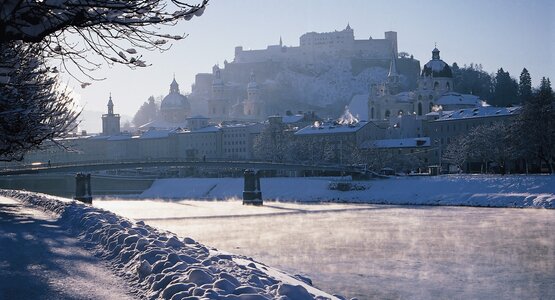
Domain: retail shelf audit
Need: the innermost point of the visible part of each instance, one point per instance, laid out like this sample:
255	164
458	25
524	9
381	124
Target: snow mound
163	266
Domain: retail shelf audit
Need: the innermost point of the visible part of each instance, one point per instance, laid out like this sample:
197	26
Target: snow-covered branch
113	29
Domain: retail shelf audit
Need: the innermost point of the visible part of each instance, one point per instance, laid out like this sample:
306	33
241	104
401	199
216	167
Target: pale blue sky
508	34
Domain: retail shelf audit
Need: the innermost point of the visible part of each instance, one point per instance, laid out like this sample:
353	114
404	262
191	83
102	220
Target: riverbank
461	190
159	264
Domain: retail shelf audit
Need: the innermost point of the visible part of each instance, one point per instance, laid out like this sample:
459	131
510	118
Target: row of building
420	140
412	128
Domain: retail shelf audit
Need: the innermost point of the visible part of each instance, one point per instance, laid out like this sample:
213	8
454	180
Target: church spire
110	105
174	86
435	53
280	42
393	76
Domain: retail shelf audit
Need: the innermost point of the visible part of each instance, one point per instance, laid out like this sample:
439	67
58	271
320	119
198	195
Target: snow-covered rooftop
331	128
210	128
478	112
155	134
159	124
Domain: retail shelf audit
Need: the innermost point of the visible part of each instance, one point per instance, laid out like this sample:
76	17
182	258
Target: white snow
165	266
331	127
457	98
486	111
464	190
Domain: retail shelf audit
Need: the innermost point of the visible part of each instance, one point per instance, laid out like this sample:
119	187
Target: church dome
436	67
174	100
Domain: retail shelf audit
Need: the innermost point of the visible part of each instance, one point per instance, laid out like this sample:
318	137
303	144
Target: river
376	251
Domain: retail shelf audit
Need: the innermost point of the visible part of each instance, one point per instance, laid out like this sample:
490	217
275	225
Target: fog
376	251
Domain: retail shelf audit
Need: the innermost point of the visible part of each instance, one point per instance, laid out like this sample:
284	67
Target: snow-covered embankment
162	266
462	190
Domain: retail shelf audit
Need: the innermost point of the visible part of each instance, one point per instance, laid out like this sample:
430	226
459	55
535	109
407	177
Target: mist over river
376	251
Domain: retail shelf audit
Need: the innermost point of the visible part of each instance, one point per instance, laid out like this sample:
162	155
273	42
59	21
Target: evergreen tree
472	80
534	133
505	90
525	86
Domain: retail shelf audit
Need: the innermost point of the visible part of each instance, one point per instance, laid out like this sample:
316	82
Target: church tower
218	107
393	80
254	108
436	79
110	121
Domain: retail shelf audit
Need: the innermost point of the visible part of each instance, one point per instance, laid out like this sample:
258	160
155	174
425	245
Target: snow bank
162	266
463	190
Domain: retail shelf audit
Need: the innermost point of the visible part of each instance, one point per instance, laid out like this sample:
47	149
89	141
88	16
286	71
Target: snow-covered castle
311	44
325	69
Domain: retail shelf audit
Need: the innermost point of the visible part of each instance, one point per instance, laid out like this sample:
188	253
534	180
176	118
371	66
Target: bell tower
111	121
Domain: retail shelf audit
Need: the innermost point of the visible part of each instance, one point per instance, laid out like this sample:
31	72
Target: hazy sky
508	34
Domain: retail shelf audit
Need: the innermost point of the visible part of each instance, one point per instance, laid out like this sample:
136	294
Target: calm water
377	251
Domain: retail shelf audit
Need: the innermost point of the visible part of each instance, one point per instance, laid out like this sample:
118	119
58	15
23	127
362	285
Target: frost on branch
32	109
106	27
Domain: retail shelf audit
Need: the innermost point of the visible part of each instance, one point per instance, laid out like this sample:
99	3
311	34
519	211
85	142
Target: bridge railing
167	162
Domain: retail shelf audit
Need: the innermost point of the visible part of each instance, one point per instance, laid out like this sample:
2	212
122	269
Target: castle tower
392	37
253	108
110	121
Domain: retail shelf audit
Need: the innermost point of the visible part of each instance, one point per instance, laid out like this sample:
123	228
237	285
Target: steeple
393	68
348	27
280	42
393	76
110	105
435	53
174	87
110	121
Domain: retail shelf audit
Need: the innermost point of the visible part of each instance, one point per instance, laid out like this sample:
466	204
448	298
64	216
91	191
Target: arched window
419	108
436	85
448	86
372	113
387	113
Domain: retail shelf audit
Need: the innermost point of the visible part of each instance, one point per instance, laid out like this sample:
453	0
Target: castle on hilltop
337	43
321	74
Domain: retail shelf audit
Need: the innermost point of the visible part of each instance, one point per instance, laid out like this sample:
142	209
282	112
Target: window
419	108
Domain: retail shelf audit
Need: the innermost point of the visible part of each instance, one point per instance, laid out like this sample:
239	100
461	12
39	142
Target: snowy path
39	260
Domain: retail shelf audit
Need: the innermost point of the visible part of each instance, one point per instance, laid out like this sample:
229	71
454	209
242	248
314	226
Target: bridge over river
59	179
209	164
